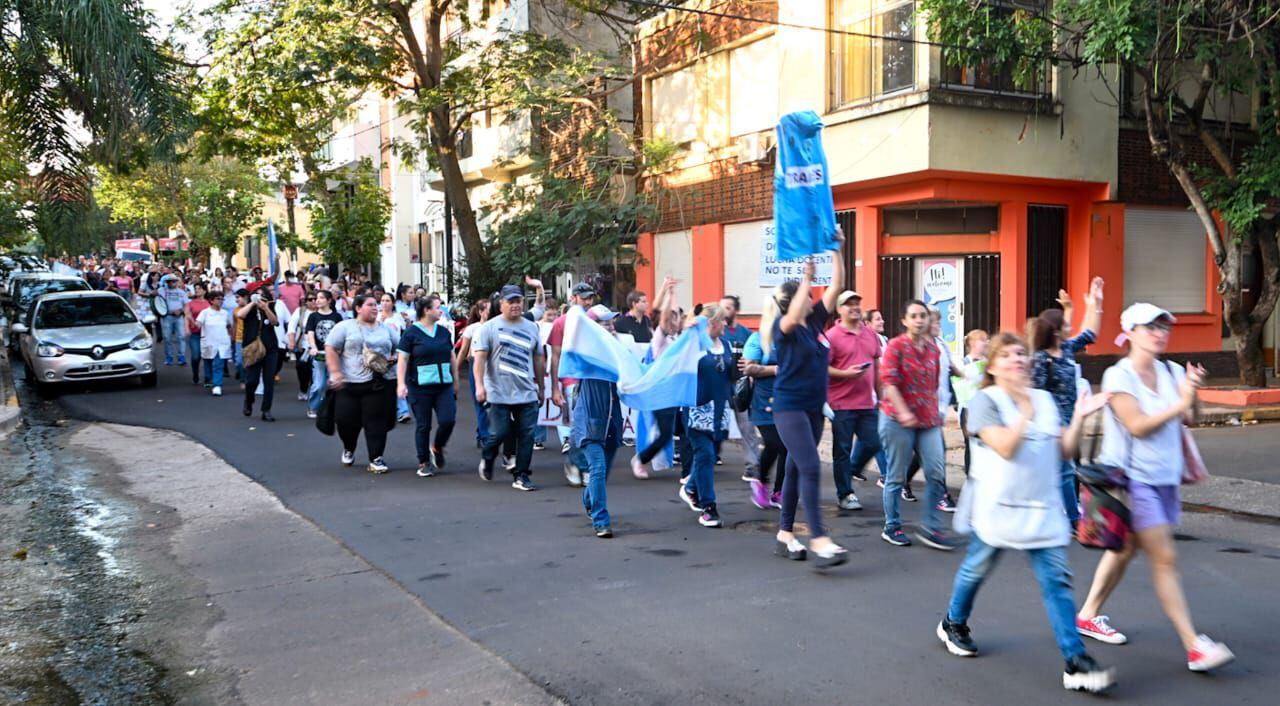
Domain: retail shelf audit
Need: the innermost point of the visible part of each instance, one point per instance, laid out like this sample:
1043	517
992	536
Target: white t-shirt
944	376
469	332
215	338
1155	459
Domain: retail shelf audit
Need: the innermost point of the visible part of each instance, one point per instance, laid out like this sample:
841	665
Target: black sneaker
936	540
605	532
486	469
946	504
709	516
522	482
539	446
907	494
437	459
956	637
860	476
1084	674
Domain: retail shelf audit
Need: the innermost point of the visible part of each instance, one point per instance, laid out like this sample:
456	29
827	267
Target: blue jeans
237	354
482	417
702	480
540	434
899	443
175	335
193	355
437	399
402	409
502	419
598	456
319	385
1052	573
214	370
1069	499
849	423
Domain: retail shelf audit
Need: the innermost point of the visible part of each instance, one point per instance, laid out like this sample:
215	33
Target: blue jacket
803	210
597	414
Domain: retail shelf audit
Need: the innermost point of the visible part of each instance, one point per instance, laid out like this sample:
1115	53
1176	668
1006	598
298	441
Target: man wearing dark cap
508	368
562	391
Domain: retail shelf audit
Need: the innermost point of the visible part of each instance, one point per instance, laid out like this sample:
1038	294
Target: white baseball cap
1141	314
600	312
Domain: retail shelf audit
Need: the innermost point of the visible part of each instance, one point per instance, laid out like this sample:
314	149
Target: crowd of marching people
368	358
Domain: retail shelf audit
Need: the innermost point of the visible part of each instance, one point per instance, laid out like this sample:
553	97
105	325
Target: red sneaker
1100	630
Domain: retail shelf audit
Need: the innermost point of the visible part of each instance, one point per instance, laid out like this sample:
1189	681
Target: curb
1225	416
10	411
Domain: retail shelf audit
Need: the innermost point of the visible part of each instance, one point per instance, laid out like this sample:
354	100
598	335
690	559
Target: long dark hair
1046	329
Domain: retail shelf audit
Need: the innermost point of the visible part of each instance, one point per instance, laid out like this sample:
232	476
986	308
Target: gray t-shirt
350	338
508	372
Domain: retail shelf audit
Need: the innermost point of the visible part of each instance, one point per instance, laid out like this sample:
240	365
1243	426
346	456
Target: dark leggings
303	368
359	406
264	371
426	401
800	432
666	422
774	450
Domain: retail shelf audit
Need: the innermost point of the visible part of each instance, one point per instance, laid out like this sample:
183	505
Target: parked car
77	336
26	287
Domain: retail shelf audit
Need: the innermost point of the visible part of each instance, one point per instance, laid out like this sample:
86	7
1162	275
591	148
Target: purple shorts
1153	505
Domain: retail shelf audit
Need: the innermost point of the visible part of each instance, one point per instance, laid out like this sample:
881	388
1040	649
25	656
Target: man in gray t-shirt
507	370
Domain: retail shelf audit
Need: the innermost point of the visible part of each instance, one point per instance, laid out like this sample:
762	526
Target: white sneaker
302	397
509	462
311	414
850	502
1207	655
377	465
572	473
638	469
348	457
217	392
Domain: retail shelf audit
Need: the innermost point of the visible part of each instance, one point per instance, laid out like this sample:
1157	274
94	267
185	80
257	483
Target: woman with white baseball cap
1150	401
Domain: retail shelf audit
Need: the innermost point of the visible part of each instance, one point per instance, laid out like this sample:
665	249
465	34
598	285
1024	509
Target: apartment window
878	59
675	105
995	76
753	87
1164	259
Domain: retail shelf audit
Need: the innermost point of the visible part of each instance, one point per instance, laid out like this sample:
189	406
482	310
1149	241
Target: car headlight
48	350
141	342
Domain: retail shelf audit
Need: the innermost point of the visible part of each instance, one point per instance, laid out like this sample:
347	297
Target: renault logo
98	352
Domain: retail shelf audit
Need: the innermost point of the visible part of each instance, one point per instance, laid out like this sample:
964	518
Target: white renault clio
78	336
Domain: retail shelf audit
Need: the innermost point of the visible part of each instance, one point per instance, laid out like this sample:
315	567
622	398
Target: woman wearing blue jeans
1012	501
796	328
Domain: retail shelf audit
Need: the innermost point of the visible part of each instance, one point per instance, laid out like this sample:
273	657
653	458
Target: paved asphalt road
1251	452
670	612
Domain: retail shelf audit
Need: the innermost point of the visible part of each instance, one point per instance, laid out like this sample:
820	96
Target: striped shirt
512	347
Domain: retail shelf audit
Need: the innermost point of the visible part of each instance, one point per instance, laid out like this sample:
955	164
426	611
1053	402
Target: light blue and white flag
590	352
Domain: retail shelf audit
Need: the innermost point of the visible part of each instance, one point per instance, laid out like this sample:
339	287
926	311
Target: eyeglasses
1158	327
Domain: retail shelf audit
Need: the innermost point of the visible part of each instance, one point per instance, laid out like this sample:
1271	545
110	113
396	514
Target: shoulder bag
252	353
1105	521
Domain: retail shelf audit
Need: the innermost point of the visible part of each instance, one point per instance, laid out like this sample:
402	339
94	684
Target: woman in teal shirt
427	376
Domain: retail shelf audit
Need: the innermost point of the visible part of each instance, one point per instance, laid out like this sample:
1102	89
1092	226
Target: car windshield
28	291
90	311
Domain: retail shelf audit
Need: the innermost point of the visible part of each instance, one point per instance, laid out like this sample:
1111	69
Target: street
671	612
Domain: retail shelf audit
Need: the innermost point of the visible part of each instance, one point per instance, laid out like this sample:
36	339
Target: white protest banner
774	272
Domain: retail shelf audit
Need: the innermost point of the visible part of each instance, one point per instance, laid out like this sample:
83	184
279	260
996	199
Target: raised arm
1093	307
837	275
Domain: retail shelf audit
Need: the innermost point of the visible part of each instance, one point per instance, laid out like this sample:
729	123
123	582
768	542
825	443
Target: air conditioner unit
754	148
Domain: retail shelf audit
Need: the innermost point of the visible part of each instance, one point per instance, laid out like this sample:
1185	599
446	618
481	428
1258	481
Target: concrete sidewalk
294	616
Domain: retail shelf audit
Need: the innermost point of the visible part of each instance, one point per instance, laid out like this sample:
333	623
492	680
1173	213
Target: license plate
99	367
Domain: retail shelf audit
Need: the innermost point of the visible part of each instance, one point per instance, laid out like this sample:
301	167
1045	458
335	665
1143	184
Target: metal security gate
982	292
896	287
1046	256
847	220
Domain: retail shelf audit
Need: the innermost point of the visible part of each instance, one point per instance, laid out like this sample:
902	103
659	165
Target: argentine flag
590	352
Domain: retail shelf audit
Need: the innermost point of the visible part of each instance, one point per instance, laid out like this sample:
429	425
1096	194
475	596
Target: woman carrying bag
261	350
1013	500
1145	435
360	355
427	378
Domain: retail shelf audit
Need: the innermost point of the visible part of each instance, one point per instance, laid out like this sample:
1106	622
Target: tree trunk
455	187
1253	367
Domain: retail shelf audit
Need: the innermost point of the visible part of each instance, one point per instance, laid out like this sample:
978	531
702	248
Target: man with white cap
1151	400
596	435
852	393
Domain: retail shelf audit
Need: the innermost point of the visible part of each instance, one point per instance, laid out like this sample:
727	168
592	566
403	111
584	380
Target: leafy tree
92	62
212	202
1184	56
350	225
16	207
405	49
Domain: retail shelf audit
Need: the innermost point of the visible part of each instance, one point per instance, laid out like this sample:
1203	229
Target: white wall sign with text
774	272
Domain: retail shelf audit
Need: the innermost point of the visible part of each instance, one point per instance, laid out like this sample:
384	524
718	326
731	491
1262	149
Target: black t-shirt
430	356
257	323
641	330
321	325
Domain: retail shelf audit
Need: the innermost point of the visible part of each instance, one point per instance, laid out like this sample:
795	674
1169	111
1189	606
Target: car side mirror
149	319
18	328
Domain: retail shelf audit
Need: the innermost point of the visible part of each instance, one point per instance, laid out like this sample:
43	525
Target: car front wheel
148	380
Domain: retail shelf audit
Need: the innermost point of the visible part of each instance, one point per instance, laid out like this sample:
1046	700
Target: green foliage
350	225
92	61
16	209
